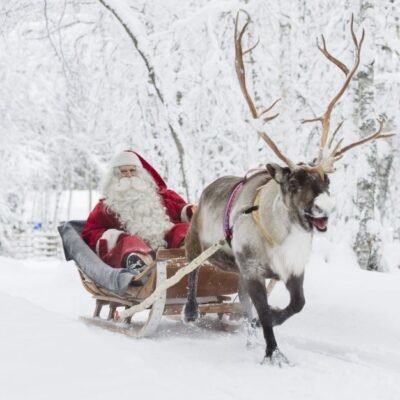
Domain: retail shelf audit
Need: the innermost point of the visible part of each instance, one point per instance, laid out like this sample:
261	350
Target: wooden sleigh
216	288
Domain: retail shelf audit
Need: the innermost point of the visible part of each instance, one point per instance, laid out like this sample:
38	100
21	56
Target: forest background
82	79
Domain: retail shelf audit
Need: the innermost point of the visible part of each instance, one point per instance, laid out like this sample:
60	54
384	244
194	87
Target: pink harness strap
228	229
228	208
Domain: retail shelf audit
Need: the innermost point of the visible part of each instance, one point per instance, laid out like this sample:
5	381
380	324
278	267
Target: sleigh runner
117	289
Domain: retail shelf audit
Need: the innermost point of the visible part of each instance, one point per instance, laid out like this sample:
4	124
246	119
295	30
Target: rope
256	218
172	281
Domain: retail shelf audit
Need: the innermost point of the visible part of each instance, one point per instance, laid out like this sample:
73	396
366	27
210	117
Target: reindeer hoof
255	323
190	314
251	332
277	358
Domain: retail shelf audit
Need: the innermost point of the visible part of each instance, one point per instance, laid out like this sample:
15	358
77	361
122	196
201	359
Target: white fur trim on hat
184	215
126	158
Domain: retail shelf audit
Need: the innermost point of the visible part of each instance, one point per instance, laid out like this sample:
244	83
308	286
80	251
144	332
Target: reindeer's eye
293	185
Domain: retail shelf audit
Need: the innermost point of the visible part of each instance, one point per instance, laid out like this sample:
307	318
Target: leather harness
254	209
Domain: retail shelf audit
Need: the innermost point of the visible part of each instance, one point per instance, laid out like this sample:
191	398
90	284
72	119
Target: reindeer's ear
277	172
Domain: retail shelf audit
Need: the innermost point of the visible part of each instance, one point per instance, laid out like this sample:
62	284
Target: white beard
138	206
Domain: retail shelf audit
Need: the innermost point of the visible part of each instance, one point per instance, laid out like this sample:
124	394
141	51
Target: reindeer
268	218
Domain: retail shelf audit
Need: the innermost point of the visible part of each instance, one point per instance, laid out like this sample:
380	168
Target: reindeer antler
241	75
338	152
325	163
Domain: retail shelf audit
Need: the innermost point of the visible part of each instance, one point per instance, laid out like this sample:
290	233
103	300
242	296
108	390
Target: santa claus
137	215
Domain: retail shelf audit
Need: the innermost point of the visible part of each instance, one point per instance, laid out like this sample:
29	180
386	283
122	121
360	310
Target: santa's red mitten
103	247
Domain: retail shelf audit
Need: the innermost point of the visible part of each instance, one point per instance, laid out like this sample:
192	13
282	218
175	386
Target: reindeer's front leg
295	287
254	282
258	295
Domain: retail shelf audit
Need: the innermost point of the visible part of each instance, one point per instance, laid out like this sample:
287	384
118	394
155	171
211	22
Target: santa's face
129	178
127	171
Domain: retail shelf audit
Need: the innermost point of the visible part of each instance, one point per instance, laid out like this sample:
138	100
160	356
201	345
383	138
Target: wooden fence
37	245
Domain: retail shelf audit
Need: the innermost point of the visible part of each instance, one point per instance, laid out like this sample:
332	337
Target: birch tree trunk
368	242
285	78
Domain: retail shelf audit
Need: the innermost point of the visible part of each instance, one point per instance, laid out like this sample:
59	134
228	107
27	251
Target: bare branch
154	82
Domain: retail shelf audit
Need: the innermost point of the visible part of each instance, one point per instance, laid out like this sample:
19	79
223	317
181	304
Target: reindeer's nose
323	204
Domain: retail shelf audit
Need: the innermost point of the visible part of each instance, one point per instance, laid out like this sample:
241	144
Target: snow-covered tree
84	79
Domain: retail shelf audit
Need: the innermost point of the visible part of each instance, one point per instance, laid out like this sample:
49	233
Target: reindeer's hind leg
193	249
191	311
247	305
245	300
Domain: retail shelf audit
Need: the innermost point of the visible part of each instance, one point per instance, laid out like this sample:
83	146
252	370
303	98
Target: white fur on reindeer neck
292	244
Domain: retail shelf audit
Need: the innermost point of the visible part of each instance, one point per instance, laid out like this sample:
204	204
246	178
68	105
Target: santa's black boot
135	264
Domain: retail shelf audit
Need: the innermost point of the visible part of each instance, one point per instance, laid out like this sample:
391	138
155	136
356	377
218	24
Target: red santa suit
108	234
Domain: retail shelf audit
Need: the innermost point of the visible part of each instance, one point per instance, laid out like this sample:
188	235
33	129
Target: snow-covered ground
345	344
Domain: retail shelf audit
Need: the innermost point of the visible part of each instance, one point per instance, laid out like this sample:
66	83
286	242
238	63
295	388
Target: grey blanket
114	279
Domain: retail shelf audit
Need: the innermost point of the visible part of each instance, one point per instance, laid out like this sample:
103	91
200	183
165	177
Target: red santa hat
126	158
129	157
